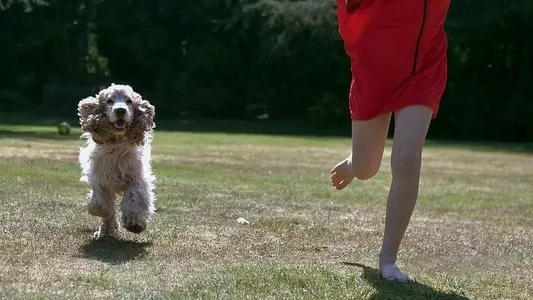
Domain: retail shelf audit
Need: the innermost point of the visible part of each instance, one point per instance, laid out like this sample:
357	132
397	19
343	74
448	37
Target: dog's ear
143	122
147	114
86	108
93	120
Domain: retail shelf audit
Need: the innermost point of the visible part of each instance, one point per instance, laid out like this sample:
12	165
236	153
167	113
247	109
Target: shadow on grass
394	290
114	251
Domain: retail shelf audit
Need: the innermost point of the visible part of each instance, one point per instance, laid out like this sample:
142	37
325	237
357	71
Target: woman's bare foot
342	174
392	273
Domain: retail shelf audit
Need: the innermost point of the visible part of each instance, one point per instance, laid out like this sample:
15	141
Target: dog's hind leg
101	204
137	207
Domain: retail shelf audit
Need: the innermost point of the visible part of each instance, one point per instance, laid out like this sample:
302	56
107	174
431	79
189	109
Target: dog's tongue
120	123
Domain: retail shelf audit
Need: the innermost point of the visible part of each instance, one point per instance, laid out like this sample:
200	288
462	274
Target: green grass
471	234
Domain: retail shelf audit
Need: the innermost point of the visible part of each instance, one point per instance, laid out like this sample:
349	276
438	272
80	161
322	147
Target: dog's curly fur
117	159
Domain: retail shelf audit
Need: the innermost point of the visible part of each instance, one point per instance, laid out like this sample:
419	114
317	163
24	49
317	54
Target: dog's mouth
120	124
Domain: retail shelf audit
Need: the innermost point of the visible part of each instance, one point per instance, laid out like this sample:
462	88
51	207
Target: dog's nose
120	111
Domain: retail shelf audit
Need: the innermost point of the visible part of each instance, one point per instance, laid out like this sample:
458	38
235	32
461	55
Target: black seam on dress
419	39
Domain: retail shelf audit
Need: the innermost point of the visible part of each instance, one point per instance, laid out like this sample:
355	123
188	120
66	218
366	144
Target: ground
471	235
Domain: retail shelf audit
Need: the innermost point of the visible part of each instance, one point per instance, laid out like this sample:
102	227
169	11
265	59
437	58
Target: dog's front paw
98	234
107	229
133	223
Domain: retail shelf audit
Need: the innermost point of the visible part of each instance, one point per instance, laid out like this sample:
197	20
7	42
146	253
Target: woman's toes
343	184
388	277
335	180
392	273
341	175
340	186
402	277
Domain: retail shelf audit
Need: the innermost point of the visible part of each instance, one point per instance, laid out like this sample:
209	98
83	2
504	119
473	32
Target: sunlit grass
471	234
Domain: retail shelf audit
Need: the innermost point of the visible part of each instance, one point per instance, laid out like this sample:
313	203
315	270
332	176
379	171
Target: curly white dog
118	125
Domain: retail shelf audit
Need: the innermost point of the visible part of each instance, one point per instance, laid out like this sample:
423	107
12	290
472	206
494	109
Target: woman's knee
406	162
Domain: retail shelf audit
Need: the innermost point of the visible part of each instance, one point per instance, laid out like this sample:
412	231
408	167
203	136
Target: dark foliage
253	59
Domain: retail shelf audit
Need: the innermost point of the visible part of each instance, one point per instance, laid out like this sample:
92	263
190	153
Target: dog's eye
109	101
129	101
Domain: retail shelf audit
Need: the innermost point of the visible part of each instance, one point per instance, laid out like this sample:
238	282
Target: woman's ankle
386	259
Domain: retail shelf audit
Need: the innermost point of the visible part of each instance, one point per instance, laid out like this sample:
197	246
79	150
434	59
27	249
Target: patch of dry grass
471	234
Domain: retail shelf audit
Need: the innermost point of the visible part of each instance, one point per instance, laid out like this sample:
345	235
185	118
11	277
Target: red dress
398	54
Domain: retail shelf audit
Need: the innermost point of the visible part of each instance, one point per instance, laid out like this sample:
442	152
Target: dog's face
116	113
119	107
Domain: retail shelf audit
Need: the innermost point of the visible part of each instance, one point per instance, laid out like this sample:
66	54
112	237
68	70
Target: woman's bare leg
368	142
411	126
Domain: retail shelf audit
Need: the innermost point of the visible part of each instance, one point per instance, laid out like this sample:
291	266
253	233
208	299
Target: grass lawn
471	234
